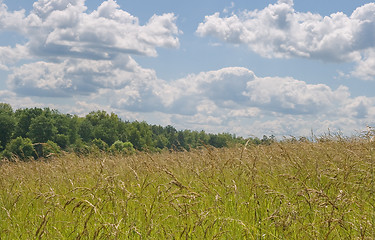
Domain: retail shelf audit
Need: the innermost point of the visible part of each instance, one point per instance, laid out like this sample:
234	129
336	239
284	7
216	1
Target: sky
251	68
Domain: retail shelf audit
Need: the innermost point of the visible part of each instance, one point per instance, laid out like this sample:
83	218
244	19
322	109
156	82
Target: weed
285	190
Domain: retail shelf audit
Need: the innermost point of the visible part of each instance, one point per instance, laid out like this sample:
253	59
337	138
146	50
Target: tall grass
287	190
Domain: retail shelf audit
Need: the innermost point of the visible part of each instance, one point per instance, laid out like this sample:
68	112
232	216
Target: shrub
47	149
80	147
122	147
20	147
100	144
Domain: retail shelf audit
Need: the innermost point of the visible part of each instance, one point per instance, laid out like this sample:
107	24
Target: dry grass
299	190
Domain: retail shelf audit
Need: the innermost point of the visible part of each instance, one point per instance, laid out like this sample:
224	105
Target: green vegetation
284	190
96	131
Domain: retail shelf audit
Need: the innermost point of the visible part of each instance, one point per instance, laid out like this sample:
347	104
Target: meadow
286	190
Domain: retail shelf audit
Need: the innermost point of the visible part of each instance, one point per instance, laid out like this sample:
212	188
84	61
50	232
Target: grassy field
289	190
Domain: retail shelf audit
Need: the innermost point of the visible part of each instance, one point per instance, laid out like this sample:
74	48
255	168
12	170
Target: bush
81	148
47	149
20	147
100	144
122	147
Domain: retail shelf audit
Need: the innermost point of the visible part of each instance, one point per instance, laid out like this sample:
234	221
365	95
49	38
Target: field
286	190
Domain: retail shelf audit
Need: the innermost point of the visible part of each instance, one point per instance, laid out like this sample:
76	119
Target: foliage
42	129
122	147
100	144
62	140
20	147
99	130
47	149
24	118
7	124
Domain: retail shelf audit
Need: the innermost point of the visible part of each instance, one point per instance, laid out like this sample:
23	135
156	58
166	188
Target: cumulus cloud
76	77
77	52
279	31
12	55
11	21
231	97
289	95
63	28
366	66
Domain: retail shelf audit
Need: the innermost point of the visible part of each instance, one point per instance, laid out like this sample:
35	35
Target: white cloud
16	102
366	66
236	100
11	21
81	53
278	31
227	100
293	96
62	28
77	77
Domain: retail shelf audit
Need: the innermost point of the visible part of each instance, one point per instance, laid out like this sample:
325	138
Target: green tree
73	129
24	118
7	124
105	126
181	140
171	134
106	131
141	136
42	129
203	138
62	140
161	141
86	130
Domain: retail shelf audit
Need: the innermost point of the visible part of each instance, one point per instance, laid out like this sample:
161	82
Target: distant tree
104	126
123	131
141	136
24	118
96	117
42	129
171	135
62	140
85	130
267	140
61	121
181	140
6	108
135	138
203	138
106	131
73	129
161	141
7	124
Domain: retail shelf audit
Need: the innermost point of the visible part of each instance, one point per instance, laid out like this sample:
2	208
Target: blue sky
277	67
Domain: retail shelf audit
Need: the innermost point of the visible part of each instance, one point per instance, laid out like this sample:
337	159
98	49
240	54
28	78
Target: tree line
36	132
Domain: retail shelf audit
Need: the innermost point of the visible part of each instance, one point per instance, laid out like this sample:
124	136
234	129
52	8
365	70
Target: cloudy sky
247	67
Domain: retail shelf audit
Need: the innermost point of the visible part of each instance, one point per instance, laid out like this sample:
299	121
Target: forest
35	132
